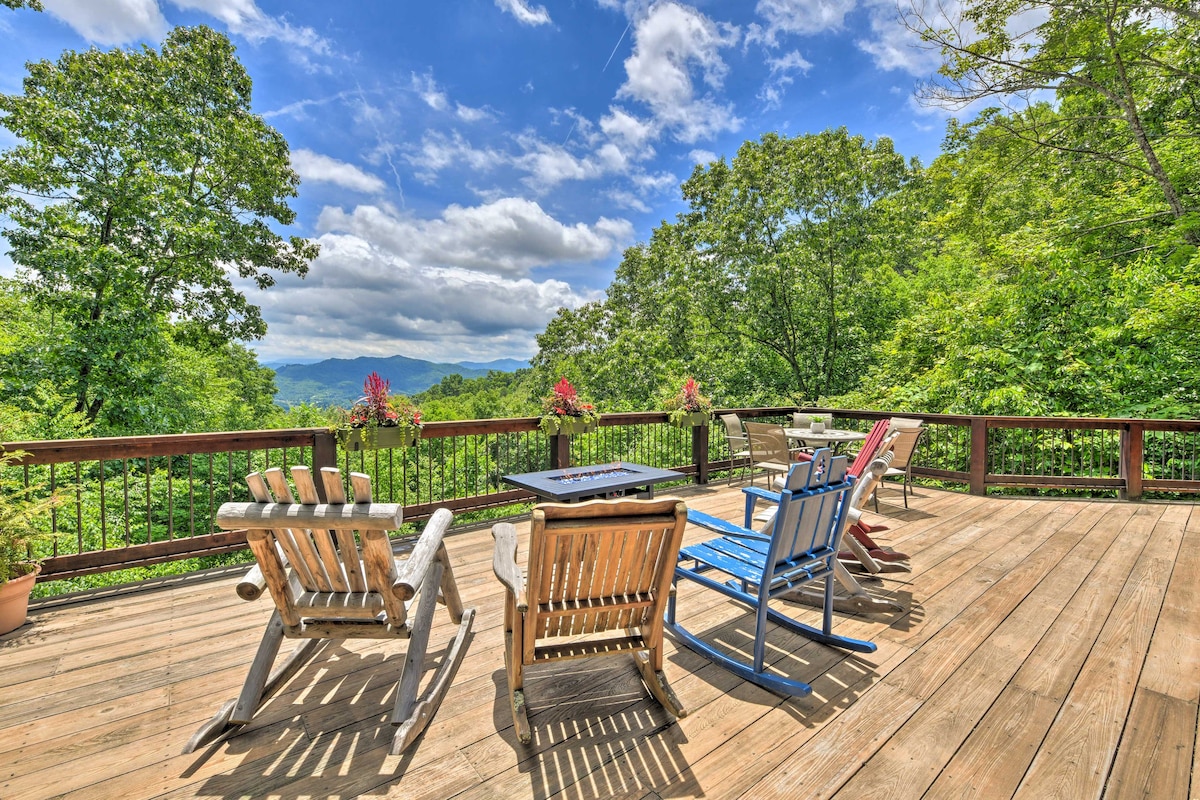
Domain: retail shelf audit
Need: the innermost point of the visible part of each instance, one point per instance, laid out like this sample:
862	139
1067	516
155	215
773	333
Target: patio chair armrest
504	562
252	585
723	527
424	551
753	495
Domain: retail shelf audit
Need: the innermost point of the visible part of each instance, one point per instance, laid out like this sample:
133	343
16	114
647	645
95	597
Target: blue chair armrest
721	526
753	495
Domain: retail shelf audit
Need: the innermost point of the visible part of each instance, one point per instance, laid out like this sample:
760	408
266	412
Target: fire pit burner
583	474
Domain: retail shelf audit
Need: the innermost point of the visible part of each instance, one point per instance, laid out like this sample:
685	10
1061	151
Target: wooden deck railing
135	501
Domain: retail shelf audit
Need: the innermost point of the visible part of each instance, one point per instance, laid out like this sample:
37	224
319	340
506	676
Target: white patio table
830	436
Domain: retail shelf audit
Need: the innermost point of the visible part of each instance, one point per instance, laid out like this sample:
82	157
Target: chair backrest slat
590	562
319	543
350	564
810	515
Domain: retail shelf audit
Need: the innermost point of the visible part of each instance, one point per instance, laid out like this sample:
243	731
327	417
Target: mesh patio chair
735	439
769	450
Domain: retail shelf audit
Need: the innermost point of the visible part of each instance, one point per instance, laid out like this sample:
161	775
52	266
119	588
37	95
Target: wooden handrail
964	454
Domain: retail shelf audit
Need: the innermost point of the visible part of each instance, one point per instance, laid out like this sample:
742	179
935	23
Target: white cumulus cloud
315	167
797	17
452	287
110	22
525	13
671	44
245	18
506	237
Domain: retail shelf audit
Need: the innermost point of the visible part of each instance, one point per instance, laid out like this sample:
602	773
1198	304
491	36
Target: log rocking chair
329	584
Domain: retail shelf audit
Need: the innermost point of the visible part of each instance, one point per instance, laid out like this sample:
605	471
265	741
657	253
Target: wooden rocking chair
599	574
328	584
799	547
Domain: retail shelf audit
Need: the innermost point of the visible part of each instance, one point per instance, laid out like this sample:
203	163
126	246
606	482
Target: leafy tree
775	284
798	250
1126	74
36	5
141	184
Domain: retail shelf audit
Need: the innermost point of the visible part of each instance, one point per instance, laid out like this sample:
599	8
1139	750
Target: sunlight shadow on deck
332	721
597	733
831	672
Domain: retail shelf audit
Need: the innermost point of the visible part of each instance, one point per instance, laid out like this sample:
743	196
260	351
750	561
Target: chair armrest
723	527
504	562
761	494
423	553
252	585
753	495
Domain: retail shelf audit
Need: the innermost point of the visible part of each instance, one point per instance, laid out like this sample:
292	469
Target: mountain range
339	381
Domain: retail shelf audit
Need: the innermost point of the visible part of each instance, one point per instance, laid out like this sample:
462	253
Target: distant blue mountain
339	381
500	365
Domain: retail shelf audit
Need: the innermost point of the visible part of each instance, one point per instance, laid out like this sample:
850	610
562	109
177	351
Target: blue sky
470	166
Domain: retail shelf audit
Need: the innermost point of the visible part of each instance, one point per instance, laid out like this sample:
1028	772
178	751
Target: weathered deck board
1049	649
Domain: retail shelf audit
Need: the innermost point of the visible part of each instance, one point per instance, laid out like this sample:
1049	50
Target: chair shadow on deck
837	677
340	746
596	733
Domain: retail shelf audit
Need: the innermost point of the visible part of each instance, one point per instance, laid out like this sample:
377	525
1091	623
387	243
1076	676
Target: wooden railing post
324	455
560	451
1133	437
700	452
979	445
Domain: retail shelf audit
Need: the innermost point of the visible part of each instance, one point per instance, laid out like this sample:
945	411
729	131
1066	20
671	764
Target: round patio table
833	437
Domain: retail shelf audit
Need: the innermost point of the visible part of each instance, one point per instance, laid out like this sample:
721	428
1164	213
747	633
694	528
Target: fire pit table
600	480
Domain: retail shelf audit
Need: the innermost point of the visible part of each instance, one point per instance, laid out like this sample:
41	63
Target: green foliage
140	180
1125	75
774	285
23	507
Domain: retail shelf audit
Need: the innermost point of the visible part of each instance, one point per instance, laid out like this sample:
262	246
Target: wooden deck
1050	649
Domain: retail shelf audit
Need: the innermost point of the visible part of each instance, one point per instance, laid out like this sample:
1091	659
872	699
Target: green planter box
570	425
692	420
357	439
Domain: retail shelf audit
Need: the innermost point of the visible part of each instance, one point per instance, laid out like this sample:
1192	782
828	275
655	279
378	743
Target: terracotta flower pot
14	601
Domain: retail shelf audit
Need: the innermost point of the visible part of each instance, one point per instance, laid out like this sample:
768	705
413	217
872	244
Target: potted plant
378	420
564	413
20	508
688	408
816	423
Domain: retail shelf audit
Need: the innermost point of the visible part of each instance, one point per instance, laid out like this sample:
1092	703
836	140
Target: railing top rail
116	447
66	450
1075	423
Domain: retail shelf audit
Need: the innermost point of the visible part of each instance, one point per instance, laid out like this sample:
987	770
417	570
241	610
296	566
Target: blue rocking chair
799	547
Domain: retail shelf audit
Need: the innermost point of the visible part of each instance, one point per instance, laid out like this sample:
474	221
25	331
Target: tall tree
142	184
798	246
1126	74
